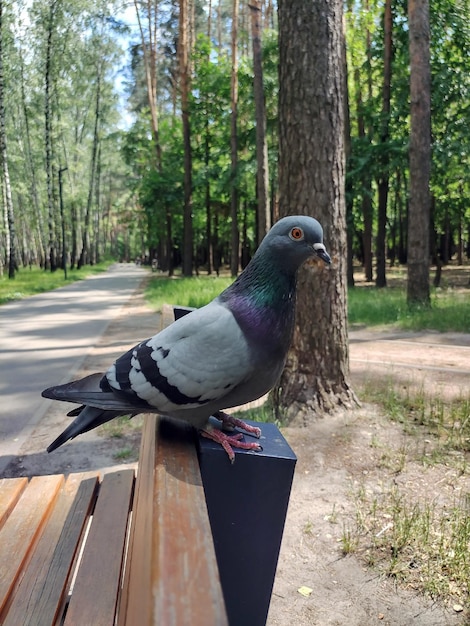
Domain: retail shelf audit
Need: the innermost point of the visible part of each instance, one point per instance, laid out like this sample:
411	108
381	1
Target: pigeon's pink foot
234	422
228	442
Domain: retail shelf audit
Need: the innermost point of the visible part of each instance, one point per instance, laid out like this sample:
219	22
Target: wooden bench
146	548
72	553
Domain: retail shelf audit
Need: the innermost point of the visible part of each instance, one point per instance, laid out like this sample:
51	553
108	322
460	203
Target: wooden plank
167	316
10	491
184	561
185	586
135	602
22	528
95	592
42	591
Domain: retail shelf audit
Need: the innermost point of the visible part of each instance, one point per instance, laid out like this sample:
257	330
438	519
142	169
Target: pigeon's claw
228	442
231	422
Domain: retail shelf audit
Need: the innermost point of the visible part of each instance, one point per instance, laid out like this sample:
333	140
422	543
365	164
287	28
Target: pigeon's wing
195	361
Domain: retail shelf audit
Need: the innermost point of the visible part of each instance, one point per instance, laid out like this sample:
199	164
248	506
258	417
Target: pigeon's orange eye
296	234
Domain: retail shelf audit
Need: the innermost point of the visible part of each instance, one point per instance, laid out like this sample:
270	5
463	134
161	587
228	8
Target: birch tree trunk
85	254
52	245
8	200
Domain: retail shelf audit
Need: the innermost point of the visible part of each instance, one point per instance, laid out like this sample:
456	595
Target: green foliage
136	203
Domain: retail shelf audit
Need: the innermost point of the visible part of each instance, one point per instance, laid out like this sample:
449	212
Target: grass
417	543
29	282
192	292
449	311
447	421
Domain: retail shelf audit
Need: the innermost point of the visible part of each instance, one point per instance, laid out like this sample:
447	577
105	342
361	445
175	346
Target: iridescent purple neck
262	301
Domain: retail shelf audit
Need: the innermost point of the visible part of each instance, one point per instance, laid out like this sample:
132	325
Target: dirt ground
335	457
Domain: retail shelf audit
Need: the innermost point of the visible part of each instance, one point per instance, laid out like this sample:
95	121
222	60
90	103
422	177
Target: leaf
305	591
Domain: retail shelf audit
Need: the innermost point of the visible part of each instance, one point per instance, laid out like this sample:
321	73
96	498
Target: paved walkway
44	339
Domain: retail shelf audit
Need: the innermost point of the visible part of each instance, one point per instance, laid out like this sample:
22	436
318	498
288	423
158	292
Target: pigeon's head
296	238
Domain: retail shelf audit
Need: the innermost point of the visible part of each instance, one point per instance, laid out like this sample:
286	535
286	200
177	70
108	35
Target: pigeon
225	354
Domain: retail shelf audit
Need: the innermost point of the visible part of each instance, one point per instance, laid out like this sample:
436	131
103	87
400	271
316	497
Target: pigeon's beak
321	252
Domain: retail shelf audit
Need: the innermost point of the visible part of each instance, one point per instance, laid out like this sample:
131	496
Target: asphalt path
44	340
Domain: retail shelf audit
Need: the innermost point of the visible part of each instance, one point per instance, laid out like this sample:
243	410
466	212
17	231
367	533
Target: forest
150	130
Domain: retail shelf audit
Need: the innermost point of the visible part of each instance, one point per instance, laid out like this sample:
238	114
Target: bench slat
42	591
135	598
10	491
23	526
95	592
177	548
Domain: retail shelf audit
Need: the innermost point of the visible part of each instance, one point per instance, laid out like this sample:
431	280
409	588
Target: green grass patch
29	282
192	292
449	310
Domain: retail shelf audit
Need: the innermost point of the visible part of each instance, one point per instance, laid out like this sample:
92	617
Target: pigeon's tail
97	406
88	417
77	391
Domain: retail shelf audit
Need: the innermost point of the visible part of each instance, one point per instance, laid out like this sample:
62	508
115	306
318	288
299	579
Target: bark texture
420	153
311	182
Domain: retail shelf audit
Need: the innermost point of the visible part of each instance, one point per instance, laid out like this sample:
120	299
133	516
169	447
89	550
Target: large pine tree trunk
311	181
420	153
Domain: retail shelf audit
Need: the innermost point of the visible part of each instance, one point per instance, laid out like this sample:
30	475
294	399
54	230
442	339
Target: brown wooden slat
21	529
136	594
167	316
185	585
10	491
95	592
42	591
184	561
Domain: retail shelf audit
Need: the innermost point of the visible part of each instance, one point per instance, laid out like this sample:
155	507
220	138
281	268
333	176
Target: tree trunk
235	235
366	184
262	175
349	182
52	245
365	133
420	153
149	48
383	182
85	254
311	181
31	167
184	69
207	152
10	219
